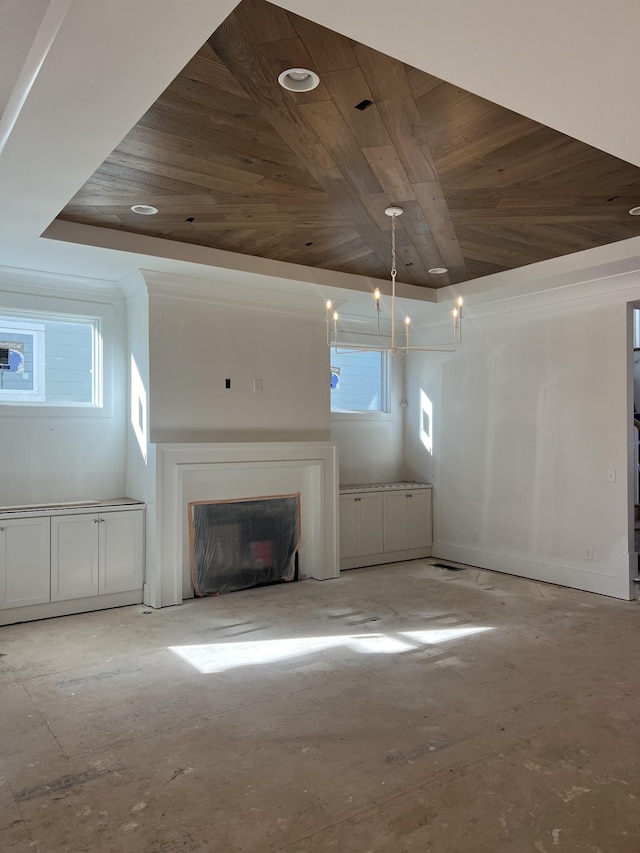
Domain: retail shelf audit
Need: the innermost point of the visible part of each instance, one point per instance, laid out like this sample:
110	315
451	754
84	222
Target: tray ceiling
233	161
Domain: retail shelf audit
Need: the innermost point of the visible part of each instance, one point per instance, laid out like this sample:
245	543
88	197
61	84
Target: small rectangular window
358	381
51	360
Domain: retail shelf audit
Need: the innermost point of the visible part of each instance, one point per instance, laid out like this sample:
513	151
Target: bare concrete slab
401	709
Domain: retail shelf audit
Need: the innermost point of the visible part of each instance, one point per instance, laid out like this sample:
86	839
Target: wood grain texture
235	162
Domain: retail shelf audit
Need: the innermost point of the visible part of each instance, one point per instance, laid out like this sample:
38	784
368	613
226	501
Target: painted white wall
139	483
371	445
52	454
529	415
195	344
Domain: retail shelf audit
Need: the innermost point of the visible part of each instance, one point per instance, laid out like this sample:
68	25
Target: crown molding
58	285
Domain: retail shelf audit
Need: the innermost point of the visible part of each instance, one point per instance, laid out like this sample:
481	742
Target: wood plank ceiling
235	162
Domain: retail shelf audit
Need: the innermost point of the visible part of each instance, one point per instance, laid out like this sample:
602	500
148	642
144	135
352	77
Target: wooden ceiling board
305	177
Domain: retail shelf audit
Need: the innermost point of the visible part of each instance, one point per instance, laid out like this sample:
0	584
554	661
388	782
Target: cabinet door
74	556
121	552
348	539
25	562
369	524
419	508
396	521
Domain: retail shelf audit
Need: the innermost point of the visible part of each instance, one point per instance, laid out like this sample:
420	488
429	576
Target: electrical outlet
475	534
227	383
257	384
588	554
611	475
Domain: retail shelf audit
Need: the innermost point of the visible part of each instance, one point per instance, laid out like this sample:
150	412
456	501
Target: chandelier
389	343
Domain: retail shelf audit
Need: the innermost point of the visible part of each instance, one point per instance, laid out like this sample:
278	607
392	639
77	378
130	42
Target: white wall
195	344
52	454
529	415
139	483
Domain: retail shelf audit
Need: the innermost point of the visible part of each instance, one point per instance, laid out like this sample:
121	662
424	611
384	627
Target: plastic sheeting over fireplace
237	544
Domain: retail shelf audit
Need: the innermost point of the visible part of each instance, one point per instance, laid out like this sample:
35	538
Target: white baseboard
66	608
381	559
615	581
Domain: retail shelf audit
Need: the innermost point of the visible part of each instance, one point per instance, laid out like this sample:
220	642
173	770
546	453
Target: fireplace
196	472
239	544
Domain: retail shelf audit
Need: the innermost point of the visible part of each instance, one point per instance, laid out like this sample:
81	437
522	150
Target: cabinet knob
96	521
2	529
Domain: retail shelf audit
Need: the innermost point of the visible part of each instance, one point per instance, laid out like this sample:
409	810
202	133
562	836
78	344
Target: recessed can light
298	80
144	209
438	270
635	211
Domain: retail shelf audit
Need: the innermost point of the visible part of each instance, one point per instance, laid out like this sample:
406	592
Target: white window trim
35	395
14	320
371	414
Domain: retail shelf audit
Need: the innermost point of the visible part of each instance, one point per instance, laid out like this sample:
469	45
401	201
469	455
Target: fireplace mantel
188	472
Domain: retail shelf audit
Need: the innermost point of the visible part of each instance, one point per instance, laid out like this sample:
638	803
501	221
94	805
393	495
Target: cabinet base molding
380	559
67	608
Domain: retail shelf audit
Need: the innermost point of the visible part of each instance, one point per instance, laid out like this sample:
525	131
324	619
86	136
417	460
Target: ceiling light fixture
437	270
388	343
298	80
635	211
144	209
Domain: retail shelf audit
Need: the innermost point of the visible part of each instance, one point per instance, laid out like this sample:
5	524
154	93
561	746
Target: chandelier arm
393	348
435	348
346	348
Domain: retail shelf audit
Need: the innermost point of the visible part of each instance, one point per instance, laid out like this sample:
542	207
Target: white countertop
69	507
382	487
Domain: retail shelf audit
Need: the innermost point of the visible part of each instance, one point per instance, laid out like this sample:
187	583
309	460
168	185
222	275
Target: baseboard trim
381	559
616	582
68	608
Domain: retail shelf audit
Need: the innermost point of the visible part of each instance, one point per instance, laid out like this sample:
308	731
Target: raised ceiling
234	162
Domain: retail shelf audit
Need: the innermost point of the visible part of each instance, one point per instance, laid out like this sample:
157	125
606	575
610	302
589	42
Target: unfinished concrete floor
362	715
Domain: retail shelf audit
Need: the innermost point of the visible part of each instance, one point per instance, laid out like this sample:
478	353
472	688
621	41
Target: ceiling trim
222	264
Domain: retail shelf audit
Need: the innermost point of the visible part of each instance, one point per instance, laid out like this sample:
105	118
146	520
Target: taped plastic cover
242	543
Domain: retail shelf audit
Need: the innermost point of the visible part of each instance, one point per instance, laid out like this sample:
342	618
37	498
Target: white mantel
222	471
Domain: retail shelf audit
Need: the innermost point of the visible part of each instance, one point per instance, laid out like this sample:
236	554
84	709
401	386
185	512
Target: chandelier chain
394	271
390	345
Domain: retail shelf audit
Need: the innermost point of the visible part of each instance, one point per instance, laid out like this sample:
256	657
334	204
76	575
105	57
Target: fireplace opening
237	544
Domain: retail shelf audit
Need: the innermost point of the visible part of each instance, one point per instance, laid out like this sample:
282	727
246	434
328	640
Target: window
358	381
50	360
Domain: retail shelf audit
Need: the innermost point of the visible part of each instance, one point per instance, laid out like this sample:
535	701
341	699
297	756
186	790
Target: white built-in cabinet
58	560
360	525
407	519
95	554
384	523
24	561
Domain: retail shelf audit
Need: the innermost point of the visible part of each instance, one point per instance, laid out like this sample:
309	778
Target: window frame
13	401
369	414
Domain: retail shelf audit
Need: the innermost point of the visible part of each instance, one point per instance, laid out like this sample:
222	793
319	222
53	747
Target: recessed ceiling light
635	211
298	80
438	270
144	209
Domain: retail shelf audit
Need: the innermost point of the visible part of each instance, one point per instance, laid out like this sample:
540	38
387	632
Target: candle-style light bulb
454	314
376	294
407	321
329	305
460	301
335	316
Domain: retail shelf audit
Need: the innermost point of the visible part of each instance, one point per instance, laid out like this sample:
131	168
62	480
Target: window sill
363	416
